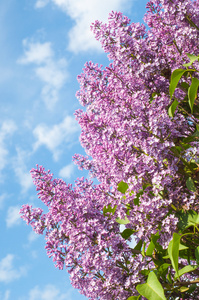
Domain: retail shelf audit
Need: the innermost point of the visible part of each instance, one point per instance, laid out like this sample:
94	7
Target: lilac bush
131	144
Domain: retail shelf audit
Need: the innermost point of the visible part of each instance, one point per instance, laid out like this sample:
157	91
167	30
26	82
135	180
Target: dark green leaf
145	272
169	278
122	187
152	289
136	200
192	288
194	137
163	269
192	92
127	233
190	184
187	219
197	255
184	145
139	245
184	85
134	298
172	108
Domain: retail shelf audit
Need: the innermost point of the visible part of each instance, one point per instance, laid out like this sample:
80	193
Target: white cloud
49	70
67	171
41	3
53	73
32	236
2	200
7	271
35	52
53	137
13	217
84	12
5	296
7	129
49	292
22	174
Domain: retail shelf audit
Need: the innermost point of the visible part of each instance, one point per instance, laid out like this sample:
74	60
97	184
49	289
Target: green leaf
192	92
187	219
109	209
145	272
136	200
192	288
152	289
192	59
182	247
122	221
122	187
139	245
184	270
134	298
127	233
172	108
152	244
173	251
197	255
194	137
184	85
149	250
183	289
169	278
143	249
175	77
190	184
163	269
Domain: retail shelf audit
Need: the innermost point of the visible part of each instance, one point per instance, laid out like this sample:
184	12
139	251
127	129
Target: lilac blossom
127	135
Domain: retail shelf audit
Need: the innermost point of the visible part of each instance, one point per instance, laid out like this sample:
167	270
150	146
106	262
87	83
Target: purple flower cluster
127	135
79	236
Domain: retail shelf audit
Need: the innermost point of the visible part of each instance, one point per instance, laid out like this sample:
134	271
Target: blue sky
44	45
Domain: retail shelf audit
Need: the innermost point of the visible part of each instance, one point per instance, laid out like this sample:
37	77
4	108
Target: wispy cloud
32	237
49	292
8	272
84	12
35	52
51	71
5	296
22	173
67	171
41	3
2	199
13	217
54	136
8	127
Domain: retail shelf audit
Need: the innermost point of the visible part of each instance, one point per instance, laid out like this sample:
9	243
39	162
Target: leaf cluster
168	279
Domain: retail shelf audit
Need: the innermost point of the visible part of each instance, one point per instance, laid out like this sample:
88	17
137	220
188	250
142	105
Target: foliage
140	131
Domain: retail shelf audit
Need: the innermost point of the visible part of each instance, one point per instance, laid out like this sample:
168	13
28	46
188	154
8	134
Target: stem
191	22
183	283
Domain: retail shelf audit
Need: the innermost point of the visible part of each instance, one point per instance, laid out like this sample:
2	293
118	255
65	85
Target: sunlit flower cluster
127	135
